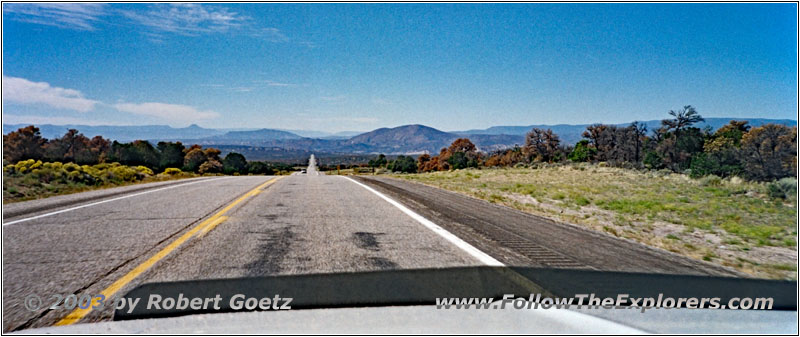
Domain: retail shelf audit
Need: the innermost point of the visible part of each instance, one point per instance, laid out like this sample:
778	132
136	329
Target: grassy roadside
724	221
33	179
16	188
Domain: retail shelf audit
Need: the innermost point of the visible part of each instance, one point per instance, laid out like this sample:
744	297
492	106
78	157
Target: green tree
234	162
404	164
139	152
721	155
683	119
378	162
170	155
582	152
257	167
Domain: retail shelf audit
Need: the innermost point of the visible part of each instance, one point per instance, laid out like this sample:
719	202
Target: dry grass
724	221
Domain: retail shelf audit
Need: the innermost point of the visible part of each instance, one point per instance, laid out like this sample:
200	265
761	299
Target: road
224	227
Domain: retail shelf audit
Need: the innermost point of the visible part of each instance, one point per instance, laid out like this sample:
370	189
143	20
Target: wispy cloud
334	99
272	83
171	112
22	91
159	20
80	16
242	89
187	19
270	34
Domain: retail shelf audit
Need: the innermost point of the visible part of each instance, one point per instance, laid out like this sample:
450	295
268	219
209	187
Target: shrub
711	180
782	189
144	170
173	171
211	166
121	173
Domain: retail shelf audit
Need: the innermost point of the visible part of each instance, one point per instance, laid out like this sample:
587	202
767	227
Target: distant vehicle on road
303	171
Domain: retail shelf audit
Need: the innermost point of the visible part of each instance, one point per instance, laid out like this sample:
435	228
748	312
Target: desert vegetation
727	197
35	167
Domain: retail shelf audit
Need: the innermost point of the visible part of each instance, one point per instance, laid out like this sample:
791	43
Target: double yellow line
202	228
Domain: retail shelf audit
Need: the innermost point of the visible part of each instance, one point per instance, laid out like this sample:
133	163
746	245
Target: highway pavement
225	227
308	223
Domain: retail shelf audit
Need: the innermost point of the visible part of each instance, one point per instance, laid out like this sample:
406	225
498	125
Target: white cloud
80	16
171	112
187	19
20	90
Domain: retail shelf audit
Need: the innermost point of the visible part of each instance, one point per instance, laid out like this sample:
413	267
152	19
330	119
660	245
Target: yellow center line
211	225
205	226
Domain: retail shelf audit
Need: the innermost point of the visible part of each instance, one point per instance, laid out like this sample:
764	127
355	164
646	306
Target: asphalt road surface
224	227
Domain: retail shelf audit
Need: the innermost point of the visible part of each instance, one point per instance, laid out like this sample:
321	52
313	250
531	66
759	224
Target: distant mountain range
407	139
162	132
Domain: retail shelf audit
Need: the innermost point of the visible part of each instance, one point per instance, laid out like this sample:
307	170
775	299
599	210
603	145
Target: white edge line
470	249
105	201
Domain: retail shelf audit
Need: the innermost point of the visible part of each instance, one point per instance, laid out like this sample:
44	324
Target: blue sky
336	67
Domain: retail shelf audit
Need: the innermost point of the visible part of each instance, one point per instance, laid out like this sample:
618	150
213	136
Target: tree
769	152
458	161
422	160
582	152
257	167
193	160
721	155
25	143
430	165
99	147
75	147
678	141
594	133
404	164
212	154
139	152
234	162
210	166
378	162
684	118
462	153
541	145
170	155
639	137
676	152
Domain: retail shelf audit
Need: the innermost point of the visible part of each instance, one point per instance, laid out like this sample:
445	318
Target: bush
711	180
782	189
121	173
173	171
